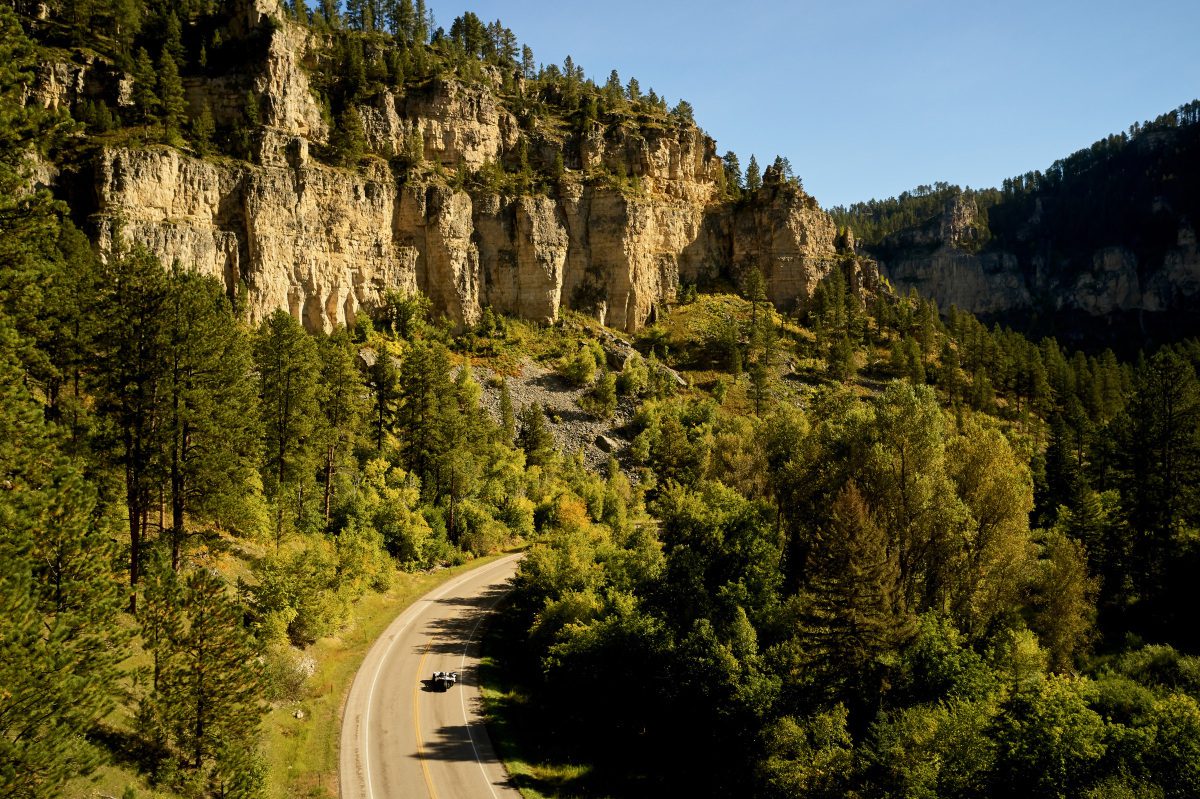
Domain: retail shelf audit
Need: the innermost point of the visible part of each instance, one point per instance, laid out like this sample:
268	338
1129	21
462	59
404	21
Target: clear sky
868	98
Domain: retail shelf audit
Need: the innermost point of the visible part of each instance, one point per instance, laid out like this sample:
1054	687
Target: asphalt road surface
401	737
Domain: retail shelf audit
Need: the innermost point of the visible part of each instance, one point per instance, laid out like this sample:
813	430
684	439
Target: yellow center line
417	724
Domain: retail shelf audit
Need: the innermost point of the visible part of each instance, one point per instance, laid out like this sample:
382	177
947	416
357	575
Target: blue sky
868	98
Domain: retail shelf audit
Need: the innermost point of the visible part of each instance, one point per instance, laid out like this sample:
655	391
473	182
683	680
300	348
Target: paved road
400	738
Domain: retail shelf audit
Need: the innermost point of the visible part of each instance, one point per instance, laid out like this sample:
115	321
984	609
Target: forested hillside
881	555
1099	246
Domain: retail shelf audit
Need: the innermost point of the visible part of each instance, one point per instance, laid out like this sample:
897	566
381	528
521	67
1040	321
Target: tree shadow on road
451	743
450	636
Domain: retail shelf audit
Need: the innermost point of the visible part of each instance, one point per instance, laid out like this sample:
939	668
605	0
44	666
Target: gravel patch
574	428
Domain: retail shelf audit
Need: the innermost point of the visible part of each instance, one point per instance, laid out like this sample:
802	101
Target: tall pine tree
286	359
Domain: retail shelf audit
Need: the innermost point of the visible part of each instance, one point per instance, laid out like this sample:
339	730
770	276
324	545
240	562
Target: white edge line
445	589
462	699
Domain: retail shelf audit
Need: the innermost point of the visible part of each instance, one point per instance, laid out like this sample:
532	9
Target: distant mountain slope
1100	248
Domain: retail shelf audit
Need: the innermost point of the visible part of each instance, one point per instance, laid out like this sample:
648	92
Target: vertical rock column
451	255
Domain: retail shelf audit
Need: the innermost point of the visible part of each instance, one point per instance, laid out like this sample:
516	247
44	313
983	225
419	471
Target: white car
444	679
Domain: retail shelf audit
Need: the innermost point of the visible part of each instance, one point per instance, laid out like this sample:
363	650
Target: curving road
400	738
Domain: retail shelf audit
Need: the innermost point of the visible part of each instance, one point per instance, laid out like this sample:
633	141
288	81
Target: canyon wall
326	242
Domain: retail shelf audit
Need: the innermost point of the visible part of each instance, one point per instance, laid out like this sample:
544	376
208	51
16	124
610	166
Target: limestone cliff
1113	280
1101	249
635	210
941	259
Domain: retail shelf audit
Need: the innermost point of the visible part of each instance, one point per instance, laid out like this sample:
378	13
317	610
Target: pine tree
760	383
210	430
340	395
841	365
733	172
463	432
614	91
855	611
914	363
420	24
331	13
508	418
349	138
1159	442
753	175
400	19
528	66
172	101
209	686
683	113
535	436
425	389
602	398
286	359
203	129
383	381
145	87
755	290
60	640
173	37
128	381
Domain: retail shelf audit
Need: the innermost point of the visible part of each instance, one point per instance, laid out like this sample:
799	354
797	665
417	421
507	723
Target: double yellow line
417	724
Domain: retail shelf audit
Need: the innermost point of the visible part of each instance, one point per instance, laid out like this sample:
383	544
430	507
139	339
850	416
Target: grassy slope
301	754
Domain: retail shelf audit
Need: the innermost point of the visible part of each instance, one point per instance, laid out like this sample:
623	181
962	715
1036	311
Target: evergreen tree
145	88
400	19
760	384
463	432
171	99
203	129
210	430
841	364
209	686
914	362
1159	444
173	36
753	175
683	114
340	396
535	436
349	139
420	25
383	381
755	290
614	91
129	379
286	359
425	395
634	91
528	66
331	13
508	418
601	399
60	637
733	172
855	613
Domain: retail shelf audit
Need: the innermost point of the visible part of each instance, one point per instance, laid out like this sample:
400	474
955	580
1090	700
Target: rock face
326	242
942	259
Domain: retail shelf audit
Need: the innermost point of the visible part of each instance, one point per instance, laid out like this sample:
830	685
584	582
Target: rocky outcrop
943	260
782	233
326	242
986	284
